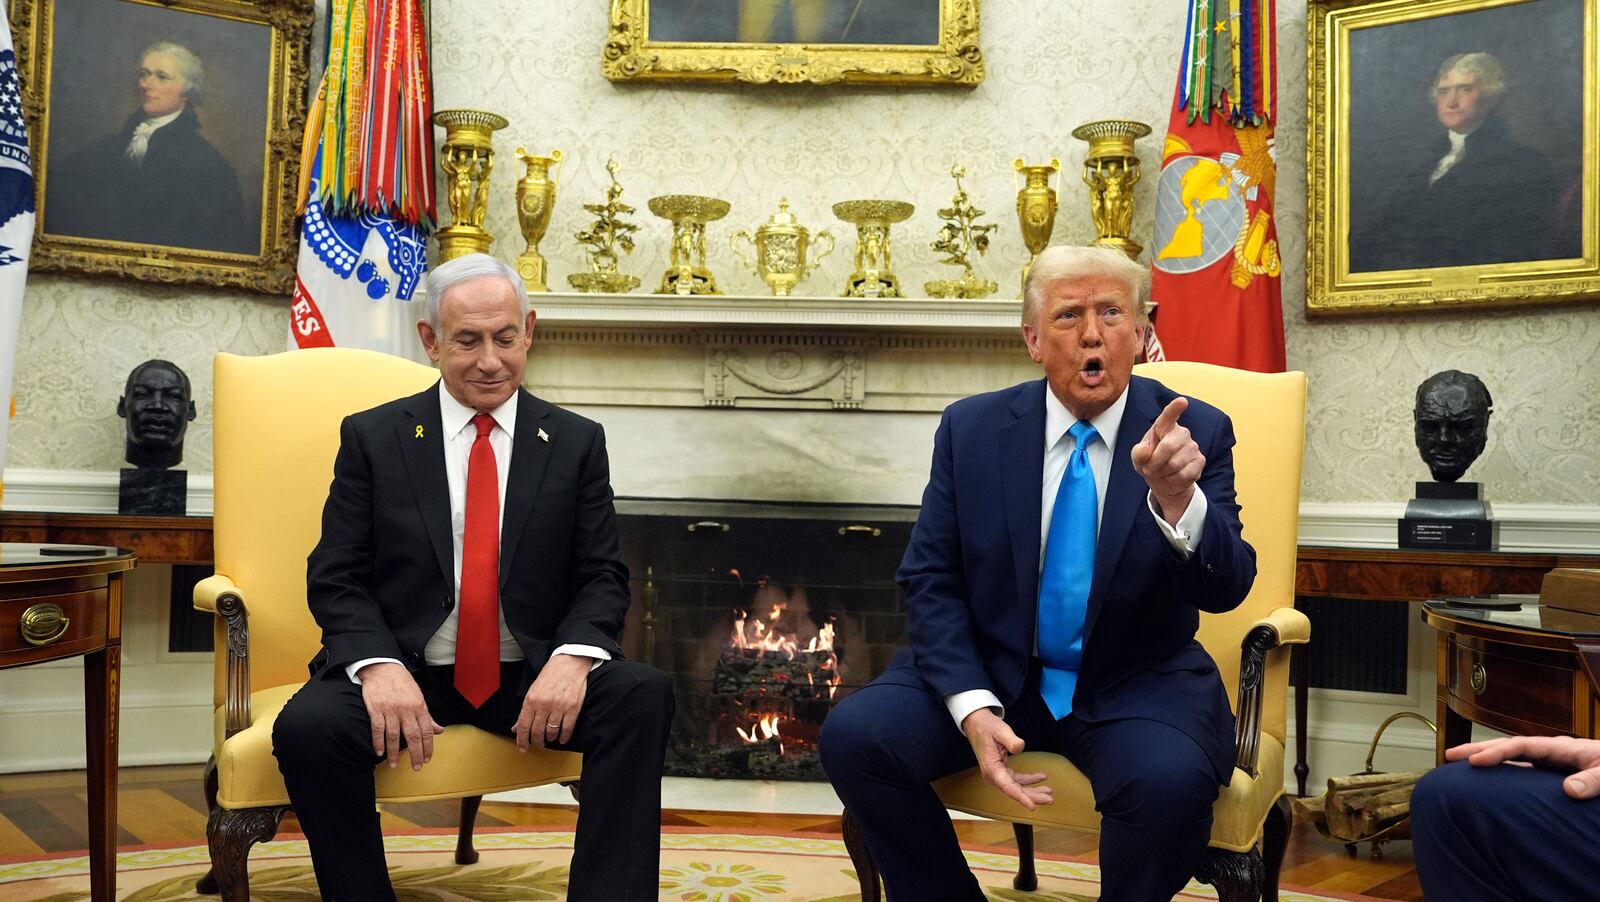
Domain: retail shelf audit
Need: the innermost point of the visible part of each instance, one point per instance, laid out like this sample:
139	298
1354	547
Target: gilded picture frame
1448	167
166	136
897	42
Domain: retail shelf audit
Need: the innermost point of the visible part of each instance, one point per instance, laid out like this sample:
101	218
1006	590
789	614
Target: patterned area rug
524	866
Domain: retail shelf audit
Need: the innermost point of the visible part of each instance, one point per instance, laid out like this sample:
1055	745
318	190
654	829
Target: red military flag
1215	254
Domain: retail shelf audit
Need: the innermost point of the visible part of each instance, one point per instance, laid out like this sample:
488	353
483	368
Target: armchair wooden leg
231	833
1274	840
1236	876
207	884
861	856
1026	880
465	853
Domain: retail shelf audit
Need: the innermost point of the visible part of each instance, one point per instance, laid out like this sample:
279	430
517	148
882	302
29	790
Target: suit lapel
530	454
1021	463
421	436
1125	493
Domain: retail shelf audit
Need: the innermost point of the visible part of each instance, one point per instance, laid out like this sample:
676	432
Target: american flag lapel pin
544	436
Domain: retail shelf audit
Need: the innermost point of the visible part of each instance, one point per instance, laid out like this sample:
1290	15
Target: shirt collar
455	416
1457	140
150	125
1057	419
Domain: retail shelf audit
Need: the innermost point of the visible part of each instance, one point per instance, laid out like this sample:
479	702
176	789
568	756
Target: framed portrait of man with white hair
166	136
1452	154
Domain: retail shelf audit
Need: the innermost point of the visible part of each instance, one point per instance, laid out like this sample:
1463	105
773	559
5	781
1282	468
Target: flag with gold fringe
1215	253
16	227
366	181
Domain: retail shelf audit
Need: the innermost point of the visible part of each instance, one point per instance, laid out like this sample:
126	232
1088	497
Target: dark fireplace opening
765	616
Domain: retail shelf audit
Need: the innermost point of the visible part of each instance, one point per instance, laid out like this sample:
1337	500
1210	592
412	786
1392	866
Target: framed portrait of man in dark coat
159	131
1452	154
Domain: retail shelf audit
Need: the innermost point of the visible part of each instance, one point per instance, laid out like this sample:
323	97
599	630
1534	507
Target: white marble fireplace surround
771	399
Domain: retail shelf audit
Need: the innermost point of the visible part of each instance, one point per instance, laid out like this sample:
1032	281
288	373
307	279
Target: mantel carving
800	353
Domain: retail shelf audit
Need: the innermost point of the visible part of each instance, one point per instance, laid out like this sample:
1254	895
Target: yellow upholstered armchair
276	431
1248	643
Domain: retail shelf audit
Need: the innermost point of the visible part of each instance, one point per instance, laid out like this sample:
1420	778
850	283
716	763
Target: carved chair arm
1284	626
218	595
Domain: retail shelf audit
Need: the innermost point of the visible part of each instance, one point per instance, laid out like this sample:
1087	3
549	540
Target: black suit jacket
381	580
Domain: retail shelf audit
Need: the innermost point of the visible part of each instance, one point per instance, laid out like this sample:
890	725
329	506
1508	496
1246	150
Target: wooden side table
1522	669
57	605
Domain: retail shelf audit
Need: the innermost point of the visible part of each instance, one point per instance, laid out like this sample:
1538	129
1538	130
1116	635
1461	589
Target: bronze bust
157	405
1452	422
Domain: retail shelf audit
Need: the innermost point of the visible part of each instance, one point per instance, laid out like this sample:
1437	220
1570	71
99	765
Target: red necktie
478	627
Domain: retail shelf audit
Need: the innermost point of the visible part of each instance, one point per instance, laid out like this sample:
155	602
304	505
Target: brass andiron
872	277
1036	207
467	158
609	231
686	273
782	245
958	238
1111	170
536	198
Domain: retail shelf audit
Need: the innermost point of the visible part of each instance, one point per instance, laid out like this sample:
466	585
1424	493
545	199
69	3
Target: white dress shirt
1058	447
1457	152
459	435
139	144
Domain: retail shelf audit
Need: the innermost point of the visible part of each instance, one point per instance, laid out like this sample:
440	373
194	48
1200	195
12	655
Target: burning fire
765	728
767	635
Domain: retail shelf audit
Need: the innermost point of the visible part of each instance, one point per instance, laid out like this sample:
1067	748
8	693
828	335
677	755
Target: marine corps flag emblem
1215	251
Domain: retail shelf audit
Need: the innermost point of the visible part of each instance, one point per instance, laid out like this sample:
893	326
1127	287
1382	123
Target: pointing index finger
1169	416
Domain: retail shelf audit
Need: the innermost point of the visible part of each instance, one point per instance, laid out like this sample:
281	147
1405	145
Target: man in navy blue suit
1071	531
1486	830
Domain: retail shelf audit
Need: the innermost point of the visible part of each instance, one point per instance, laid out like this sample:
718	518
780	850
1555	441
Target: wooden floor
164	805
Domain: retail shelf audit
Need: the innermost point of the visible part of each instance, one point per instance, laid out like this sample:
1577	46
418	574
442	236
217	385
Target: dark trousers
1154	788
323	743
1506	833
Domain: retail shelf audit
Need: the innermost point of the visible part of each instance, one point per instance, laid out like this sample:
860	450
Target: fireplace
765	616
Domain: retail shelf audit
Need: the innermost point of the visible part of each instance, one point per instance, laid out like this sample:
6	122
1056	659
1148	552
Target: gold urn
1111	170
536	199
686	271
872	277
782	245
467	158
1036	207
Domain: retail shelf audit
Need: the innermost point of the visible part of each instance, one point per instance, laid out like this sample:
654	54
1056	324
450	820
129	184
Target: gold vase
1111	170
686	273
536	199
1036	207
872	277
467	158
781	245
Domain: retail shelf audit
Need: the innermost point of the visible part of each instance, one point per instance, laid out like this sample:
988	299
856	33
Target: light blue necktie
1067	575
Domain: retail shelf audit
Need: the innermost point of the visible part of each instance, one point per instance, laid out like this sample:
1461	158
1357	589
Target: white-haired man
1071	531
157	180
469	571
1475	195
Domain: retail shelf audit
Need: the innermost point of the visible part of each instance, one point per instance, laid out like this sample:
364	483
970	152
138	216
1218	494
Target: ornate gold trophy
536	198
1036	207
687	274
958	238
467	157
781	246
872	218
1111	170
608	232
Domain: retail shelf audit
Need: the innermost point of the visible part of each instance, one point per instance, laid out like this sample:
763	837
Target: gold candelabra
959	237
609	232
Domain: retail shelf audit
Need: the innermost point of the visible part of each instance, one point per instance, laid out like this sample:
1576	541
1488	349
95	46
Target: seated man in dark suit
469	571
1485	830
1071	531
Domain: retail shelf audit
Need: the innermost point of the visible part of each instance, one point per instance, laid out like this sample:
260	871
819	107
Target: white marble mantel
914	354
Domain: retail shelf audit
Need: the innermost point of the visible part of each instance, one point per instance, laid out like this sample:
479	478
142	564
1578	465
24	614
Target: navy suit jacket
971	571
381	580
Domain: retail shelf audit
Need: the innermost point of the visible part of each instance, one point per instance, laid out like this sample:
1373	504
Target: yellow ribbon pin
419	431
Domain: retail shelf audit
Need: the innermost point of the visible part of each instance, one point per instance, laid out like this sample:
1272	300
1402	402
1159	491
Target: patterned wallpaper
1052	65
